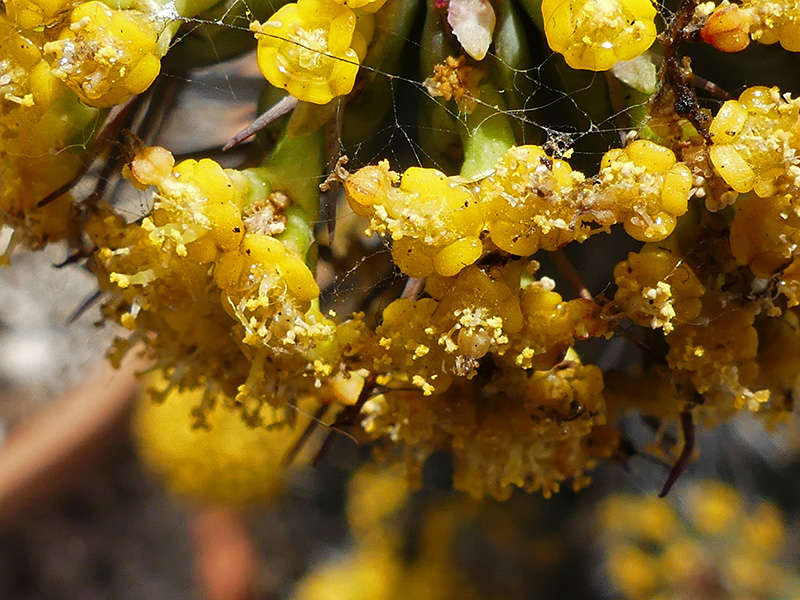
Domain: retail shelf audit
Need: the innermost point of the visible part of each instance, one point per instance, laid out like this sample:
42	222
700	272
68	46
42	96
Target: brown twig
570	273
45	453
282	107
346	418
117	119
685	457
316	421
686	104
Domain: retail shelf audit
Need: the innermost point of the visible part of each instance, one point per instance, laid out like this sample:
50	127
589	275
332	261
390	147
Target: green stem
487	136
294	167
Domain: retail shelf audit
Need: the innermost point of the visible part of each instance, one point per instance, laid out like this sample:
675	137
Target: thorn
307	432
346	417
114	122
282	107
687	426
84	306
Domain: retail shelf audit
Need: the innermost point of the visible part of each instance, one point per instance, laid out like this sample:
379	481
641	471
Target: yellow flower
756	141
364	6
594	34
30	14
106	55
312	49
228	462
435	221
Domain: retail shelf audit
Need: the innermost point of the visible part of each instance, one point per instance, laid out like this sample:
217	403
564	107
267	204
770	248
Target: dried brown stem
282	107
685	458
117	119
570	273
45	453
346	418
315	422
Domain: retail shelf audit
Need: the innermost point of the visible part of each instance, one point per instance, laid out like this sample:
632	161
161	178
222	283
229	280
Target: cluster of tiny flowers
530	202
655	290
104	55
223	307
61	62
220	280
755	151
528	430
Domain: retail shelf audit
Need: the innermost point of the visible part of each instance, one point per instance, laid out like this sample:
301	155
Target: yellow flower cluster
718	355
518	429
775	21
58	58
478	313
719	323
219	278
644	187
656	549
215	284
655	289
755	142
530	202
40	126
313	48
434	222
765	232
224	304
595	34
756	152
531	189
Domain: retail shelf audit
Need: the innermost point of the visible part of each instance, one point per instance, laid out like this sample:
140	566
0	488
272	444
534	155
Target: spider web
550	114
546	103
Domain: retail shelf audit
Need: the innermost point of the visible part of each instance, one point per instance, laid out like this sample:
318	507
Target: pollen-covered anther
454	80
267	216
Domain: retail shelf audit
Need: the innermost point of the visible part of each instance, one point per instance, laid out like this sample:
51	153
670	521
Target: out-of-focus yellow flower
714	507
229	462
634	572
713	539
313	49
594	34
376	493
